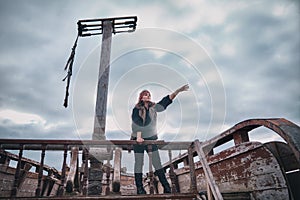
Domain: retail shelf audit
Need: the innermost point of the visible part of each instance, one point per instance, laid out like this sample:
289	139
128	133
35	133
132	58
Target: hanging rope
69	67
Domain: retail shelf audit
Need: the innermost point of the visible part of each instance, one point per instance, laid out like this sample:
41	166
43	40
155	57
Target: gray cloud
9	129
255	46
262	77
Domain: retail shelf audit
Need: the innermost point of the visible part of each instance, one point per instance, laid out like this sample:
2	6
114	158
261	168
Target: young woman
144	120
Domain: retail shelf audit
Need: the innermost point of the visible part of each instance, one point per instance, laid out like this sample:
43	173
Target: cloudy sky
240	58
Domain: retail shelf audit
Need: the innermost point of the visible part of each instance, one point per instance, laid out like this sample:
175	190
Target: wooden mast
103	78
105	27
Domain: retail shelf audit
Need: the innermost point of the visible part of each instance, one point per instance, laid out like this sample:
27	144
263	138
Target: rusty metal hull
252	169
248	168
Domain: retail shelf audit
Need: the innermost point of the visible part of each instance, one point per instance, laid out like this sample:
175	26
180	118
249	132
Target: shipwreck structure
246	170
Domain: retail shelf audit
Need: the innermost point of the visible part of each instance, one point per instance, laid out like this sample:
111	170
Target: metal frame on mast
89	27
106	27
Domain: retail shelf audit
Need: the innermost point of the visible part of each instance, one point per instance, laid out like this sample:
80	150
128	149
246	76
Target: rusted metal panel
289	131
289	164
248	167
240	137
294	182
284	155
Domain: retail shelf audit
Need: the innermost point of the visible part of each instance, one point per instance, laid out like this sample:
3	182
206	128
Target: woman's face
146	97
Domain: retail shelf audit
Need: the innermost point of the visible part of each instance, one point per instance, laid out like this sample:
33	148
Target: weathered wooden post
95	172
17	173
102	88
105	27
117	171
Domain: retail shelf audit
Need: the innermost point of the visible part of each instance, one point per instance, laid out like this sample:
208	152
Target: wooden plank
85	165
23	173
108	172
40	176
117	168
186	196
61	188
73	170
17	174
174	181
208	174
193	185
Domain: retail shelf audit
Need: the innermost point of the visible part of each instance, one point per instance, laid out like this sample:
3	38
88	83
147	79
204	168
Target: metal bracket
89	27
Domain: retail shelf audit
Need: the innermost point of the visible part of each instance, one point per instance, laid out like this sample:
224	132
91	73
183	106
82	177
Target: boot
163	180
139	183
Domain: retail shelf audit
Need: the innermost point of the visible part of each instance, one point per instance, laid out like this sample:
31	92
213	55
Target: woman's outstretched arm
181	89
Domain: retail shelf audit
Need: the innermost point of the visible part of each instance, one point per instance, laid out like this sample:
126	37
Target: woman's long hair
140	105
140	101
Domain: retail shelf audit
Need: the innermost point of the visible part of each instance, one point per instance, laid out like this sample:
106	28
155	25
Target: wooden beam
209	176
61	188
17	174
40	176
102	87
23	173
117	169
85	165
73	170
193	186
